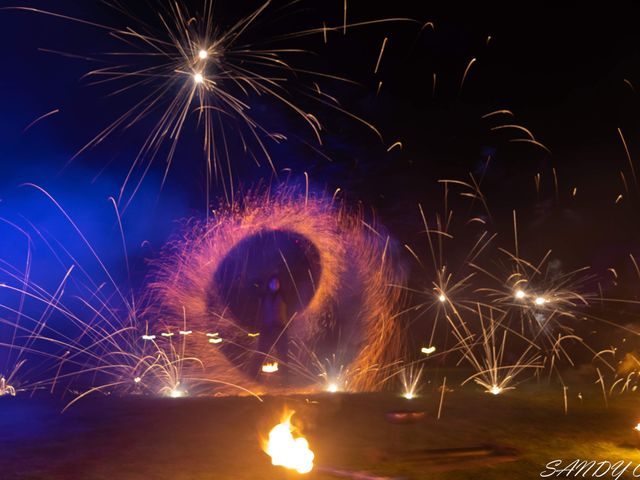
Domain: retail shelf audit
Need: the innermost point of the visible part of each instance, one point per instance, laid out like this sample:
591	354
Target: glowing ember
442	298
428	350
270	367
198	78
148	337
288	451
495	390
520	294
408	395
177	393
203	54
540	300
137	380
637	427
173	391
215	338
6	389
332	388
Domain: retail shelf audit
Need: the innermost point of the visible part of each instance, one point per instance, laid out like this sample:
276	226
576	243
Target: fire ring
345	322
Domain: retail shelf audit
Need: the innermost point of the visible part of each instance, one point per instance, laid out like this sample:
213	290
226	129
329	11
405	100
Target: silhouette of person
272	323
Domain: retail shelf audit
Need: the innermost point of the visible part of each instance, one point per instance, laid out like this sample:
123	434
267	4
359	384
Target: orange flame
286	450
270	367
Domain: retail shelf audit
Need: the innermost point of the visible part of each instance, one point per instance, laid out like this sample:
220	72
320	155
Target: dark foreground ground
104	438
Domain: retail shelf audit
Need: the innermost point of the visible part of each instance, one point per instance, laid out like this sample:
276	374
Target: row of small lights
520	294
333	387
214	337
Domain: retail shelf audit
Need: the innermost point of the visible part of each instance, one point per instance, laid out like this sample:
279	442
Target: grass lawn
109	438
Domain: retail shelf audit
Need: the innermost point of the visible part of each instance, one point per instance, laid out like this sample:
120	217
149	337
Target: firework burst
487	352
186	72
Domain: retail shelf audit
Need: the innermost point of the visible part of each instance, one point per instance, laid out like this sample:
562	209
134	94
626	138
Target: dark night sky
560	69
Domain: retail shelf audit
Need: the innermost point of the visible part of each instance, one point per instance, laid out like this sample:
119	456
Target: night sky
531	102
569	73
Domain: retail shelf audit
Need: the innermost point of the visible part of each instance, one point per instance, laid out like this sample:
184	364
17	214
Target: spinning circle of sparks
340	238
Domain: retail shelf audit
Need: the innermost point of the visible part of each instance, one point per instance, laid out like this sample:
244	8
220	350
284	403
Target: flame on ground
286	450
